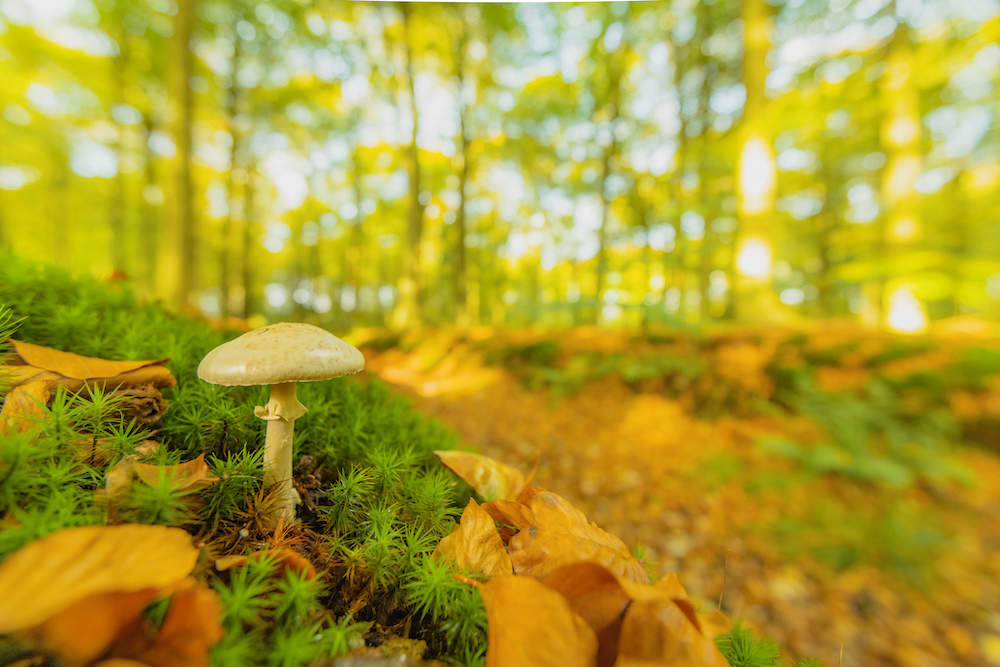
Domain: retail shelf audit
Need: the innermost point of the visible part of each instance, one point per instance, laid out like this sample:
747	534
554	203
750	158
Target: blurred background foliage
355	163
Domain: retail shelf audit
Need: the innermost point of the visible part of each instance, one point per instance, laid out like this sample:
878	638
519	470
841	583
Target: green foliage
873	437
742	649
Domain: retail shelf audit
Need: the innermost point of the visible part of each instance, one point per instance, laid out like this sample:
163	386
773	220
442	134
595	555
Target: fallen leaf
286	559
189	630
24	406
562	535
181	476
531	625
75	366
490	478
476	545
86	629
659	632
53	573
594	594
513	515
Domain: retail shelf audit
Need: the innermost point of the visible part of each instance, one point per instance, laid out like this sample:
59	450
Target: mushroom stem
281	411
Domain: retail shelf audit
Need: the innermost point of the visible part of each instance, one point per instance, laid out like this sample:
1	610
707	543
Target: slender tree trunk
703	196
756	176
673	261
900	224
246	259
610	151
150	235
116	219
462	305
182	213
229	230
408	312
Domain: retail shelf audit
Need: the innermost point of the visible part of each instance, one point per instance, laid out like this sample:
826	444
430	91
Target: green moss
379	501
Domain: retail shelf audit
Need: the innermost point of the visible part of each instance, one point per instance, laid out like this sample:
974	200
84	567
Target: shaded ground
821	559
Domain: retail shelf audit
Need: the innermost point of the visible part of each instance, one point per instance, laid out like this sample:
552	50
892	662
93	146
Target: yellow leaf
530	625
563	535
476	544
24	406
490	478
51	574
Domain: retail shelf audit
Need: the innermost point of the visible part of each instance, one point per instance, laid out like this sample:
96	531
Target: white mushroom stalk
281	411
280	355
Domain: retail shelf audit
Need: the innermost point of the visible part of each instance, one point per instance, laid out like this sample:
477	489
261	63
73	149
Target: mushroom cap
283	352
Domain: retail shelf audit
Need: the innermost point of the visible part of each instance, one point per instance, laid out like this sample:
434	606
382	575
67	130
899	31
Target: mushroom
280	355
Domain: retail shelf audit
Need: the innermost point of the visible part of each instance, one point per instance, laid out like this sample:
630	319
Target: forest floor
848	519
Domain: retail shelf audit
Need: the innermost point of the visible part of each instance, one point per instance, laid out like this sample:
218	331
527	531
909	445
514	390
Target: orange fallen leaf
476	545
513	515
594	594
53	573
286	559
530	625
602	599
660	632
490	478
189	630
87	628
563	535
181	476
24	406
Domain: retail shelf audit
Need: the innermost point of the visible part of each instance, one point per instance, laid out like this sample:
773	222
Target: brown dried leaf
24	406
509	513
659	632
490	478
53	573
182	475
530	625
561	536
476	544
75	366
189	630
594	594
86	629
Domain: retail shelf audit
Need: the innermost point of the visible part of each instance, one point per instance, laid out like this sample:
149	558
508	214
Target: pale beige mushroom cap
284	352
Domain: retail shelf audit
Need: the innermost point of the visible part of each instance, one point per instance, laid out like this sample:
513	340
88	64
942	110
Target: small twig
725	572
841	656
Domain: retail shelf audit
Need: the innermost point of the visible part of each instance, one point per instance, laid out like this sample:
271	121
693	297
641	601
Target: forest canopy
354	163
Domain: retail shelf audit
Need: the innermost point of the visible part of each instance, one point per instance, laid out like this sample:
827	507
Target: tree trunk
673	261
611	150
182	210
246	264
229	229
756	177
407	313
150	235
116	219
462	305
899	225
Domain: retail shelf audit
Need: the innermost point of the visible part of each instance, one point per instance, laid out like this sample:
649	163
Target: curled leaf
189	630
476	544
531	625
75	366
286	559
490	478
563	535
